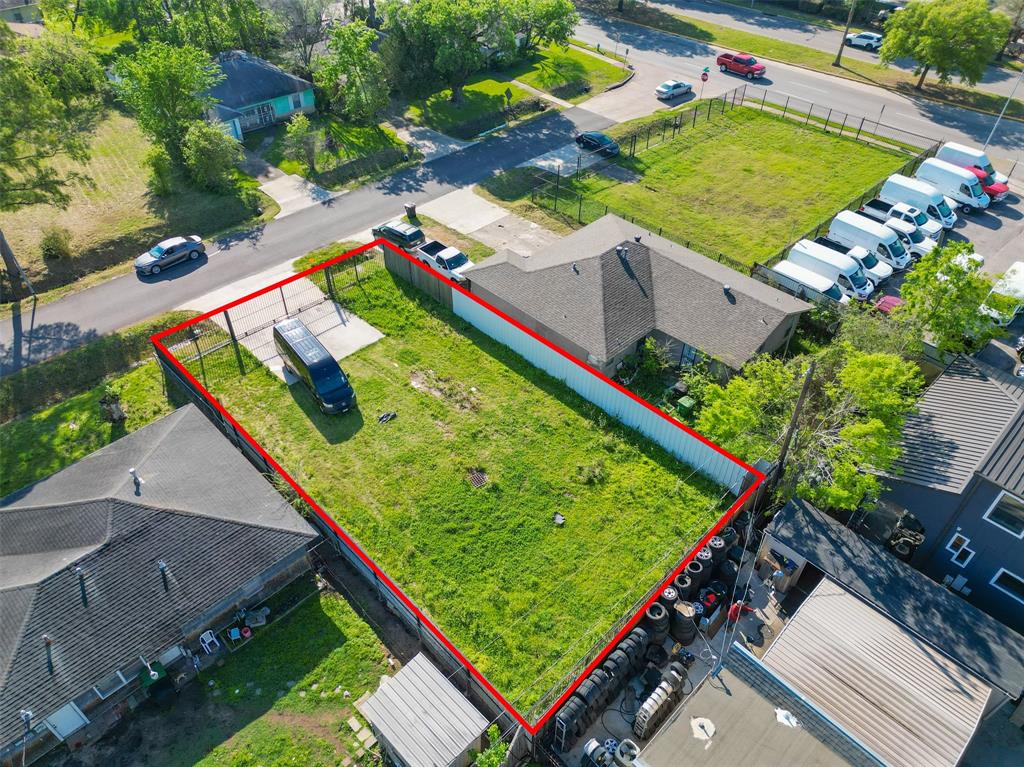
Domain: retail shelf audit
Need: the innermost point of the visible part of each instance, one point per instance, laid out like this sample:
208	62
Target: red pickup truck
741	64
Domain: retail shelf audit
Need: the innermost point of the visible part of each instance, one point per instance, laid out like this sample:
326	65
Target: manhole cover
477	477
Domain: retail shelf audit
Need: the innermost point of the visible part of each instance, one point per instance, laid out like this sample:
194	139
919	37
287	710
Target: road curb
616	86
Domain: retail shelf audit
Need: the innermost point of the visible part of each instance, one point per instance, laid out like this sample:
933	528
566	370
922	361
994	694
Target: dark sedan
592	141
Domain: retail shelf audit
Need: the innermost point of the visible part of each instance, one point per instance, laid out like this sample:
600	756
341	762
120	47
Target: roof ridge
204	515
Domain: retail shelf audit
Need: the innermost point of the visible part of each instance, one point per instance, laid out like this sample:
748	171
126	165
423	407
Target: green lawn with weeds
117	217
483	97
793	53
783	179
524	599
566	73
348	153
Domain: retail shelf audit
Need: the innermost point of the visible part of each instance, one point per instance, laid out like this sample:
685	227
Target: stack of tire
716	545
660	702
683	585
656	621
707	564
683	623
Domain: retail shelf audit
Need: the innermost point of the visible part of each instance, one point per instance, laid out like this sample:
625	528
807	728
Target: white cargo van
876	271
913	239
801	280
967	157
954	182
849	229
1006	300
842	270
922	196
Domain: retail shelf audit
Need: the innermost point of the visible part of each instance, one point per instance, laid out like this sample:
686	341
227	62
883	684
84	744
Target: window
957	546
1010	584
296	101
1007	513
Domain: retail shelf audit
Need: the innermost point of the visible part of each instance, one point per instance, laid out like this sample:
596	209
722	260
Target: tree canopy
953	37
353	73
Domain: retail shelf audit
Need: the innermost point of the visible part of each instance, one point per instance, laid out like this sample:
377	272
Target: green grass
483	97
522	598
794	53
103	39
566	73
680	184
611	54
361	151
117	217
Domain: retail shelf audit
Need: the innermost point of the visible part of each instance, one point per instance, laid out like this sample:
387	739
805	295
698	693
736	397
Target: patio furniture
246	632
209	642
234	634
254	619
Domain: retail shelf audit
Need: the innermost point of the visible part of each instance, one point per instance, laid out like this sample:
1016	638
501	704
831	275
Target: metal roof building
901	699
421	718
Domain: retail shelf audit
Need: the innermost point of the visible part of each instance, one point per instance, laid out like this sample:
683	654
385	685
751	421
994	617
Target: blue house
255	93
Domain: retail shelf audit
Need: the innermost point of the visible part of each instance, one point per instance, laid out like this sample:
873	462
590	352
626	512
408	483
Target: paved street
996	80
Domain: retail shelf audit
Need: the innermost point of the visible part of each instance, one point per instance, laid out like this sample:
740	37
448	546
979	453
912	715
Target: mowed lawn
116	217
564	72
523	598
745	183
482	97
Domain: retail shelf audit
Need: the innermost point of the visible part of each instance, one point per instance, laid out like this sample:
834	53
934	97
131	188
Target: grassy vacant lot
360	150
744	184
117	217
566	73
794	53
521	597
484	96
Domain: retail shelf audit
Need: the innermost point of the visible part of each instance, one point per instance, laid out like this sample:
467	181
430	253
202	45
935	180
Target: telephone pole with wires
808	375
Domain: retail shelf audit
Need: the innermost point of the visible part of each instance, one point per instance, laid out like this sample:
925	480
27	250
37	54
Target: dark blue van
307	359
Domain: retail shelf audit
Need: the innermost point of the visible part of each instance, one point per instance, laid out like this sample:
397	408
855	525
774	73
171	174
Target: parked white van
922	196
966	156
842	270
798	279
954	182
913	239
1006	300
876	271
849	228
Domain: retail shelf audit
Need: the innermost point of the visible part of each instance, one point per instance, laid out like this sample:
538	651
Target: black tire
723	68
750	75
155	270
193	255
967	209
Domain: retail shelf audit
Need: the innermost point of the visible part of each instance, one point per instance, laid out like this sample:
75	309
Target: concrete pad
431	143
294	193
518	234
565	158
239	288
463	210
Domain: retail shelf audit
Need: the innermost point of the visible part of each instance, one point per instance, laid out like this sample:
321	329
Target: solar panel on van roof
305	344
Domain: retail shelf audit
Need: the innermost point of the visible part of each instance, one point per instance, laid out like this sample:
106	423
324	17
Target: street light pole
842	42
1009	98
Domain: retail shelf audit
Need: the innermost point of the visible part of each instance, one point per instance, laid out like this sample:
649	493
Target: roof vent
139	481
163	574
81	585
622	252
575	267
726	288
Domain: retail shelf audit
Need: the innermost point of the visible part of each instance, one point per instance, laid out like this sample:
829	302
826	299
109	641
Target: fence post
234	342
579	162
664	127
329	277
859	128
829	115
846	116
712	101
725	102
283	302
785	107
648	145
808	118
695	110
765	96
579	213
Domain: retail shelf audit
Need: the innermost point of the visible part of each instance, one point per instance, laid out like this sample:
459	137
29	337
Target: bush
55	243
79	369
210	156
161	171
571	89
810	6
251	199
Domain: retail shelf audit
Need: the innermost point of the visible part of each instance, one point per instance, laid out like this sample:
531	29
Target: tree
953	37
45	126
494	755
166	87
545	22
304	27
1014	9
210	155
842	40
62	10
944	293
353	73
69	71
301	142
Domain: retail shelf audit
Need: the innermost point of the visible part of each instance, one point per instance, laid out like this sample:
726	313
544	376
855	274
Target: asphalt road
659	56
31	336
996	80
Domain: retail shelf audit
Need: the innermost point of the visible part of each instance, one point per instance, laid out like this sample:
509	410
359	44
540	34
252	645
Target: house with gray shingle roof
255	93
962	475
111	568
603	289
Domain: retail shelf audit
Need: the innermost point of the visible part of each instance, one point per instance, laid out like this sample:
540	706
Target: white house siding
680	443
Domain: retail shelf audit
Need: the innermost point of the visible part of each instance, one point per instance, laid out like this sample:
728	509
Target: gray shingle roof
582	290
203	509
249	80
423	716
961	419
982	645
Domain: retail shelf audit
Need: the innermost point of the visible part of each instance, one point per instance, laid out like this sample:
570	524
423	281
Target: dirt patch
463	398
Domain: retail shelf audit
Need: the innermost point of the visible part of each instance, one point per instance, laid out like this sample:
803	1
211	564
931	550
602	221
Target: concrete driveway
565	158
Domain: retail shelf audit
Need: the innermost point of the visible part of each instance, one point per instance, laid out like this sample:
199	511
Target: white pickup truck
901	211
451	262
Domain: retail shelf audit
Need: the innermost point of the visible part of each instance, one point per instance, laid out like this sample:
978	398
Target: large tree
353	73
542	22
952	37
944	293
54	115
166	88
210	155
304	26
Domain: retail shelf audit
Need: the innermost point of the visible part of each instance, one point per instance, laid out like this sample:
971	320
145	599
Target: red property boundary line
157	340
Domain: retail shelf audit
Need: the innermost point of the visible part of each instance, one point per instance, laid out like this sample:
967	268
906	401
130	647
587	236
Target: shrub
161	171
571	89
55	243
210	156
251	199
810	6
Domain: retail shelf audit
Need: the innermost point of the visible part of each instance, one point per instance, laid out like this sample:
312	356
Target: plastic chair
209	642
234	634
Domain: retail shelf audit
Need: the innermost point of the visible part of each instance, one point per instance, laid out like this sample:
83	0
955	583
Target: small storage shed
422	720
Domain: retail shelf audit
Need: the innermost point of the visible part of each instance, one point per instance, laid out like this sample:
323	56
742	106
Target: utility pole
1009	98
792	425
842	42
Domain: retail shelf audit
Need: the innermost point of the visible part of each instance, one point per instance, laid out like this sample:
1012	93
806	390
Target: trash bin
685	406
410	211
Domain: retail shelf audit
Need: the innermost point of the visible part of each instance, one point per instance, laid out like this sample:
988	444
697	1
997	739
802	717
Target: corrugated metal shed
423	717
959	420
908	704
